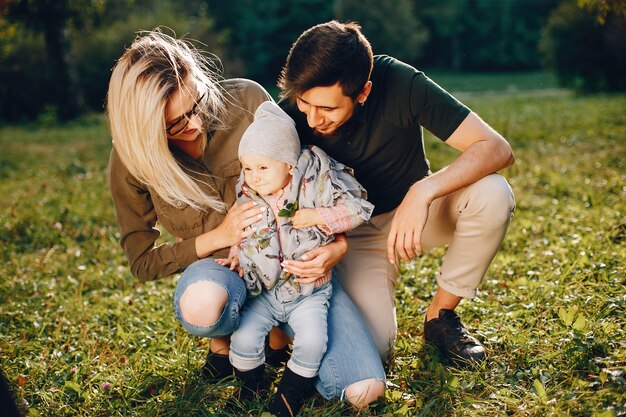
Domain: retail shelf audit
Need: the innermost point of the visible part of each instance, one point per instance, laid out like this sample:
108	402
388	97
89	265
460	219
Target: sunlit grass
494	82
79	336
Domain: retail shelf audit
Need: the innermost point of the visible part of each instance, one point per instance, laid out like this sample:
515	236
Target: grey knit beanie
272	133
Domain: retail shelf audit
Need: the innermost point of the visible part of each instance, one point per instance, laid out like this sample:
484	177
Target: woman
176	130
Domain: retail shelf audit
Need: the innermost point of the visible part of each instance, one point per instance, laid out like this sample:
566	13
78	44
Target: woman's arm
136	218
231	231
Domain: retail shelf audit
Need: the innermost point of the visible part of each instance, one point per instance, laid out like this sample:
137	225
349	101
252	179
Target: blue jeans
351	355
208	270
306	315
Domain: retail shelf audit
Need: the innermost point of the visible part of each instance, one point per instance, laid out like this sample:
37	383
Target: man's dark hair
325	54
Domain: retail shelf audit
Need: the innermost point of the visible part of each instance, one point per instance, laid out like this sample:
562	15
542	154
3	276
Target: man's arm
317	262
484	151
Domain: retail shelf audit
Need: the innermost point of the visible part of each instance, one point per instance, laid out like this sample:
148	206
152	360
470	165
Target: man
368	112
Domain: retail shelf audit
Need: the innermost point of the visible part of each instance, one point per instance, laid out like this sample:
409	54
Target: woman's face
182	121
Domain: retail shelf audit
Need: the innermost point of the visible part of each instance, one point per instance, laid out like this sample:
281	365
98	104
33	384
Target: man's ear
365	92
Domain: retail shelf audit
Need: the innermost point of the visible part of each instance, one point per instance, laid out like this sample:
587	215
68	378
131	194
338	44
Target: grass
494	82
79	336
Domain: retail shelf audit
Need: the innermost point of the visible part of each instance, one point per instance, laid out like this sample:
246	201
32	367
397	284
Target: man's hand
306	218
405	235
317	262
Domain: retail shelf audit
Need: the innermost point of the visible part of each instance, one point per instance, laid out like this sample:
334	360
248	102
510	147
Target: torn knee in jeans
361	393
202	303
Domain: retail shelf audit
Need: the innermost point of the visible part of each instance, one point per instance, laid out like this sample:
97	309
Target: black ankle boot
293	390
453	340
251	382
276	358
217	367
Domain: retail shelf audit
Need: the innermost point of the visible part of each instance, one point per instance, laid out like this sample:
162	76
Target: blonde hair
153	68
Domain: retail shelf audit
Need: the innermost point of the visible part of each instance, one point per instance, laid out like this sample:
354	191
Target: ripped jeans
351	355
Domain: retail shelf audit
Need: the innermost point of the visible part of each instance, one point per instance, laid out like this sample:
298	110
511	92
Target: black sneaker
216	367
453	340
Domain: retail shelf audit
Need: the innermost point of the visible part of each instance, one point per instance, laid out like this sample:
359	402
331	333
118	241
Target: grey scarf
318	181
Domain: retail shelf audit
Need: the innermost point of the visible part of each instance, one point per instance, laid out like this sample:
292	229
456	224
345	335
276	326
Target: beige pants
471	221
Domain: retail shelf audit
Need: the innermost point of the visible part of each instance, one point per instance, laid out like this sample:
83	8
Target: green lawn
494	82
78	335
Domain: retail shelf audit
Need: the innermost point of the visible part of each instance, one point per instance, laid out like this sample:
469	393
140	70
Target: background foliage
484	34
56	55
586	48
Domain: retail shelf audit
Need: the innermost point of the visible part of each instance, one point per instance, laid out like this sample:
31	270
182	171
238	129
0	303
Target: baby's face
265	175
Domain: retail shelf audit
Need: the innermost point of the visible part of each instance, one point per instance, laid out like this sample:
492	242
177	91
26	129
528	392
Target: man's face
326	108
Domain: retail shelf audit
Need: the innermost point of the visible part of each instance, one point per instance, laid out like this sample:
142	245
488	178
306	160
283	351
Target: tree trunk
66	87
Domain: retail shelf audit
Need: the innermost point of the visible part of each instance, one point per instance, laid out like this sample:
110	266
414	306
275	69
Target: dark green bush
25	91
483	35
583	52
391	27
97	53
260	33
23	70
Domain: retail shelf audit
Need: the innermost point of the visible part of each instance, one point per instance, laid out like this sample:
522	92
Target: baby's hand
224	261
306	218
232	262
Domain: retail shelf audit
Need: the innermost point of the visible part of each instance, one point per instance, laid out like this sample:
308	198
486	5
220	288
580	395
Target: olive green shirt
383	140
139	208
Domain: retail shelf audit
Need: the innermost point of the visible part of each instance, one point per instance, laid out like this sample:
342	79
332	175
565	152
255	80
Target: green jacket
139	209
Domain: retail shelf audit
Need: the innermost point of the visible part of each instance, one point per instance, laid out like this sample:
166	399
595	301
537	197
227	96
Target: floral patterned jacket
318	181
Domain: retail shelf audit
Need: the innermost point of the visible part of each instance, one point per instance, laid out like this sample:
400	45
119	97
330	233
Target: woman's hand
232	229
238	218
317	262
306	218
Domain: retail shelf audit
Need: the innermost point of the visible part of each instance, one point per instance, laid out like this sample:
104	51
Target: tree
445	27
484	34
603	8
52	18
584	52
99	31
260	34
20	90
391	27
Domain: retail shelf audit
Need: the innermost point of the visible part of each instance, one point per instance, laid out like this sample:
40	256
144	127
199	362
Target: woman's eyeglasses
182	122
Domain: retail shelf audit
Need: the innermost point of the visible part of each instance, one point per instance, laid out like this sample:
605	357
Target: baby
309	198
